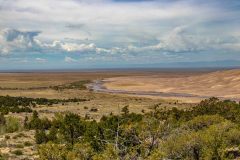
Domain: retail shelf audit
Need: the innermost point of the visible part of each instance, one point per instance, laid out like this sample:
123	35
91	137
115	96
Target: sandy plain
223	84
37	85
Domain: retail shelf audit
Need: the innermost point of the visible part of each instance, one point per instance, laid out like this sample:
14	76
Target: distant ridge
225	64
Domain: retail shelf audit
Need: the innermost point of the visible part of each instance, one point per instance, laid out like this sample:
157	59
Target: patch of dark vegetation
9	125
19	146
27	144
17	152
36	123
24	104
19	135
94	109
210	130
30	88
81	85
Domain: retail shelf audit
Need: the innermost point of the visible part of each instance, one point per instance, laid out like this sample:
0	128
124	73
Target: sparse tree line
208	131
81	85
24	104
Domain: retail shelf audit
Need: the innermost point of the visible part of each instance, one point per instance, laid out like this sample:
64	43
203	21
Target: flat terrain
37	85
37	80
99	103
44	79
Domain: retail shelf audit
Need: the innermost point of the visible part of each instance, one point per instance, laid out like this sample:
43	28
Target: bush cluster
24	104
210	130
81	85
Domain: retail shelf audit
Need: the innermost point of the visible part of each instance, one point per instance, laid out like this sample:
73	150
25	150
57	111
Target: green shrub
40	137
210	130
17	152
52	151
12	124
24	104
93	109
125	110
19	135
19	146
2	119
27	143
7	137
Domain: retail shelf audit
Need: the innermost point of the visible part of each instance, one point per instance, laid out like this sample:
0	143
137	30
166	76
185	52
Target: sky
75	34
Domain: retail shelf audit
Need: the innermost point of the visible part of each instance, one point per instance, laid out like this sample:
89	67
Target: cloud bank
114	32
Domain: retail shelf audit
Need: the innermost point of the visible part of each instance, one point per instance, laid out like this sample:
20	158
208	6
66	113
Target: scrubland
55	116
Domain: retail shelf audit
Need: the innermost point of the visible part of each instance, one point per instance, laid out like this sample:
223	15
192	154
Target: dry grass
28	80
18	141
104	103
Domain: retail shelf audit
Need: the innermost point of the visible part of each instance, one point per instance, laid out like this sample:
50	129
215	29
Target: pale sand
224	84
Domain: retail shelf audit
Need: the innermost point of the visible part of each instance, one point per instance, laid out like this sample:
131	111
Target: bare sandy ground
35	79
224	84
202	82
45	79
105	103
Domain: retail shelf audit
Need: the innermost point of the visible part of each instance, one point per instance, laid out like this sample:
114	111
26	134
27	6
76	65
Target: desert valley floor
106	92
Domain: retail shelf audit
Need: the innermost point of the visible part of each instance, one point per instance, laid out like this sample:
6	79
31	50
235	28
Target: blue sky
57	34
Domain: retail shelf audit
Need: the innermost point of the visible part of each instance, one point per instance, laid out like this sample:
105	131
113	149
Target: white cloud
11	39
40	60
108	22
71	47
106	30
100	18
76	47
178	40
181	40
69	59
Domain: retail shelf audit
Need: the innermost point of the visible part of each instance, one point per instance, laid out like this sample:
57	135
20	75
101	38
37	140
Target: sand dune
220	84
